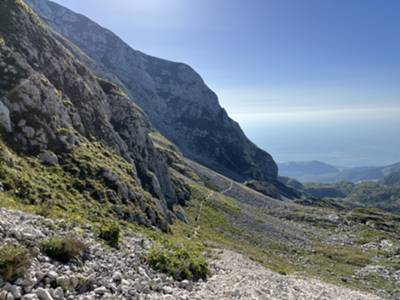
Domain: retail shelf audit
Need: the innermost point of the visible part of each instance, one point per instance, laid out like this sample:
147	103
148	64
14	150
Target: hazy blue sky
278	62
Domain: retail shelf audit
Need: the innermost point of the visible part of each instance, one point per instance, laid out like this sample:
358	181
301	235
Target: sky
297	75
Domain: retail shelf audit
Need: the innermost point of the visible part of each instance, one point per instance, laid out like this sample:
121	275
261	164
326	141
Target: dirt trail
197	220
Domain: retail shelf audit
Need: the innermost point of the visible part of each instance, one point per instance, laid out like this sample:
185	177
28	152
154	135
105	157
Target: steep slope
52	107
174	97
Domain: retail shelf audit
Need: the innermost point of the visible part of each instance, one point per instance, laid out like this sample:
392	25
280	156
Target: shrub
178	263
14	261
63	249
110	234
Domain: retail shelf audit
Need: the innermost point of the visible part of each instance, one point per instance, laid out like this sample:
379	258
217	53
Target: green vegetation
344	255
227	223
14	261
333	190
74	190
63	249
376	218
373	194
369	235
110	234
178	262
384	195
393	179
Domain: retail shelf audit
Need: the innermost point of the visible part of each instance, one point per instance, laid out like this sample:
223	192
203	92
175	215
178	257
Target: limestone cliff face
49	101
173	95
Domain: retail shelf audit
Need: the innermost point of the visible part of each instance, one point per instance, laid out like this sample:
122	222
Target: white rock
58	293
3	295
117	276
16	291
10	296
30	297
167	290
43	294
52	275
101	290
63	281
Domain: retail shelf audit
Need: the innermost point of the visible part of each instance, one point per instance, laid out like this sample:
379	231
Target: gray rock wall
173	95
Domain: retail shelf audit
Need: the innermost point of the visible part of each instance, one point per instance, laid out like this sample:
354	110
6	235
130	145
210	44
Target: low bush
178	263
110	234
63	249
14	261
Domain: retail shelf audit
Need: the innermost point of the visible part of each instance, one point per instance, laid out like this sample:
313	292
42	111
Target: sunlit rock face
50	104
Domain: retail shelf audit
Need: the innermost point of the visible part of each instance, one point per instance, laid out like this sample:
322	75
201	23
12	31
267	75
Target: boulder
48	158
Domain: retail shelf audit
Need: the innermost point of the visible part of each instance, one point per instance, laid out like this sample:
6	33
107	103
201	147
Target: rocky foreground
106	273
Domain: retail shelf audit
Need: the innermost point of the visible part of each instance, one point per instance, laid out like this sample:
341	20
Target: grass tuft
110	234
14	261
63	249
179	263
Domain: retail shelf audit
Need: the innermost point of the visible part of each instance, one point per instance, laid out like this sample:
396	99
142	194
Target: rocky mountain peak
51	105
175	98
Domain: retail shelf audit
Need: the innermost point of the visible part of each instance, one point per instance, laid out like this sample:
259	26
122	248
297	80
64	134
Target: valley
121	177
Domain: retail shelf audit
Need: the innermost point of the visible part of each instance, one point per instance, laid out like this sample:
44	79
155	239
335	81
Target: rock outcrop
50	103
173	95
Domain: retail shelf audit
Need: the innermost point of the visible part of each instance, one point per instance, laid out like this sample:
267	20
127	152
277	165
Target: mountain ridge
54	108
173	95
316	171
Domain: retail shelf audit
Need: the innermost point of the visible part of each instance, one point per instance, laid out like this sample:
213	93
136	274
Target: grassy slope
294	239
72	190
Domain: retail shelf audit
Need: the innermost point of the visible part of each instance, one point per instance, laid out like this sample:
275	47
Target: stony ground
237	277
107	273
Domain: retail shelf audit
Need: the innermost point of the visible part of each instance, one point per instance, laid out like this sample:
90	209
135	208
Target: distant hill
316	171
393	179
365	194
308	171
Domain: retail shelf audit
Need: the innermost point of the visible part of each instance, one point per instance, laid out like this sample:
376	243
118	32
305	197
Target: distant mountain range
316	171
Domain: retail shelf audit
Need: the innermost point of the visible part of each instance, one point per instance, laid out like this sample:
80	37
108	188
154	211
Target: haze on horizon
305	79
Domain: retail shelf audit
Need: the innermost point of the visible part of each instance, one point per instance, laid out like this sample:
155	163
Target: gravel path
237	277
